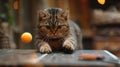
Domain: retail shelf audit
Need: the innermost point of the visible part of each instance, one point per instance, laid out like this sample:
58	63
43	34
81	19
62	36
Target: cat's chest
56	45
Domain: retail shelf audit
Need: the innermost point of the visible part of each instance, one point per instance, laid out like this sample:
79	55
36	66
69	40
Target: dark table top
15	57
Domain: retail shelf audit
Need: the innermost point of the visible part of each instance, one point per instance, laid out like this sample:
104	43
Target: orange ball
26	37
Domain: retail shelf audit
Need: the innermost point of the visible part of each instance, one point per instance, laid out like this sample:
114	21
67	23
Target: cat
56	32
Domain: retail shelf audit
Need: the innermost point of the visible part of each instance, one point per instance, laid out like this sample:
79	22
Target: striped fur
55	32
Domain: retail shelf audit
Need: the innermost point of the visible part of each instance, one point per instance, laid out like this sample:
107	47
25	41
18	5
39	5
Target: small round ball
26	37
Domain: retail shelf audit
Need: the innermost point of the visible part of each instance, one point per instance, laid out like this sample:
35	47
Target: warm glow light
102	2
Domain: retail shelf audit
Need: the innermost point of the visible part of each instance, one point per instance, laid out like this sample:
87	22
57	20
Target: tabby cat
55	32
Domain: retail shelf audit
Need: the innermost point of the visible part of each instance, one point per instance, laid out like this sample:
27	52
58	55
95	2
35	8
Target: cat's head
53	22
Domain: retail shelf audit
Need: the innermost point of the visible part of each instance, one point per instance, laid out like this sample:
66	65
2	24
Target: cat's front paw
68	47
45	48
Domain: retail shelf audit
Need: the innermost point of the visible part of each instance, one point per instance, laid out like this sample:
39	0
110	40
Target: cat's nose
54	31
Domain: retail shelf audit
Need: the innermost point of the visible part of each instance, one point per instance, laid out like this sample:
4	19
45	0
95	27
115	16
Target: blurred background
100	24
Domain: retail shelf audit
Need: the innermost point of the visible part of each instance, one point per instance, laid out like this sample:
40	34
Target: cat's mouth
55	38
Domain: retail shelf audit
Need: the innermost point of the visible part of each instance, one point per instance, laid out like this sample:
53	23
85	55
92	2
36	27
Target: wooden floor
33	58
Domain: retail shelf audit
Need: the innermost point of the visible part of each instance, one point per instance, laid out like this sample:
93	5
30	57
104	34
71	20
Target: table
18	57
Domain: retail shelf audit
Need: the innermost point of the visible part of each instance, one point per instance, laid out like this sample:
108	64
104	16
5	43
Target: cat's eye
47	23
59	27
48	27
58	23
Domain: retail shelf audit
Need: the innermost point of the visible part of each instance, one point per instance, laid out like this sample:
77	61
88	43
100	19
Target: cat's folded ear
42	14
65	14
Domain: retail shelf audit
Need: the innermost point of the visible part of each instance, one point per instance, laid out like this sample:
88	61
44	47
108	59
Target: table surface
15	57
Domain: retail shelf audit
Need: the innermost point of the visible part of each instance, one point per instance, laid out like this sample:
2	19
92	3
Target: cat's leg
69	45
43	47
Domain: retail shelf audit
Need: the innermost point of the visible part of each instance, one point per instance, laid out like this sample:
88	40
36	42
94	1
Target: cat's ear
65	14
42	14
